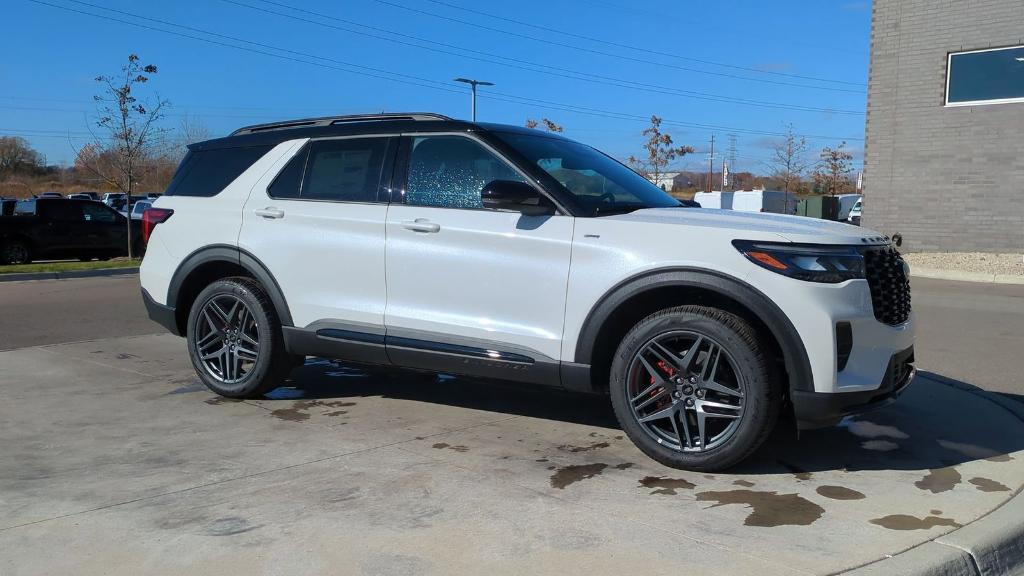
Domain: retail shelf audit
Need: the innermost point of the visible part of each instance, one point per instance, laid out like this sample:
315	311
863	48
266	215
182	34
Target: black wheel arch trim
230	255
793	351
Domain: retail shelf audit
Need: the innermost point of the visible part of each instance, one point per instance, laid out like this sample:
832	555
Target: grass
67	266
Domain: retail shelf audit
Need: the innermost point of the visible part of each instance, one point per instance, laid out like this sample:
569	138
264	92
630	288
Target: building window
993	76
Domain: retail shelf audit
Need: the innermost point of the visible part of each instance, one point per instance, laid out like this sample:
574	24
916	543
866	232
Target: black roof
390	123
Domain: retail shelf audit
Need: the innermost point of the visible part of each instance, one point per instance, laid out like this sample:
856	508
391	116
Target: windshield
602	185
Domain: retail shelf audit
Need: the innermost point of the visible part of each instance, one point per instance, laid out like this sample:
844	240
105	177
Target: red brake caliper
671	372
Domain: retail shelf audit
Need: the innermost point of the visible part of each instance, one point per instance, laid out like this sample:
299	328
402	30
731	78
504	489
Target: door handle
421	225
269	212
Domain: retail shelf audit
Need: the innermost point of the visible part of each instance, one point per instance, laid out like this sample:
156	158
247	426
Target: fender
232	255
794	354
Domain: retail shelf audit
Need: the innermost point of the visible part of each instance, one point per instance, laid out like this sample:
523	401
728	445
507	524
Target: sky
600	68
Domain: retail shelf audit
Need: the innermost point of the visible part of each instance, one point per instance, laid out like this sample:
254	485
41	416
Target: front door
471	290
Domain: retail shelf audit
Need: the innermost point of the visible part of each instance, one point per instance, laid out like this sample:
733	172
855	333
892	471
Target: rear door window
206	173
63	210
346	170
96	212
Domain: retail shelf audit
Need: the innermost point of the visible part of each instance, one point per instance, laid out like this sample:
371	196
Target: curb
22	277
961	276
992	545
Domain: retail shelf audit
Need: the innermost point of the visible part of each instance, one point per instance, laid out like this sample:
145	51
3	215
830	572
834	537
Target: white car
493	251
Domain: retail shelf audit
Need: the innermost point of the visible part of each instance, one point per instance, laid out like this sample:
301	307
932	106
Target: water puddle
939	480
666	486
974	451
906	522
442	446
299	410
867	429
879	445
572	474
839	493
989	485
768	509
594	446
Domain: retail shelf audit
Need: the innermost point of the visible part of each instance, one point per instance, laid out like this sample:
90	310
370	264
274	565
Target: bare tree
833	167
789	161
660	152
130	129
549	125
17	156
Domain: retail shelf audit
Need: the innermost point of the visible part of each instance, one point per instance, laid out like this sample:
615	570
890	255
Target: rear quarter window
206	173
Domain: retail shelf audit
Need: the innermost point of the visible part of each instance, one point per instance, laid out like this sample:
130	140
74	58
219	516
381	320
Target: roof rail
331	120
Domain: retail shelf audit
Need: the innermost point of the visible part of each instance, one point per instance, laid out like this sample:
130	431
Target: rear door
316	221
60	229
107	229
469	289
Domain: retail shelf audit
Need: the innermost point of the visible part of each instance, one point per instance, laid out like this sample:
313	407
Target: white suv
493	251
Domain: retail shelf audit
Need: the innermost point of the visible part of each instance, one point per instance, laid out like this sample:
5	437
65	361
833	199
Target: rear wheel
15	252
234	339
691	387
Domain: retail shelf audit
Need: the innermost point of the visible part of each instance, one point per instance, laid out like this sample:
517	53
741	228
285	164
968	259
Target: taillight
151	217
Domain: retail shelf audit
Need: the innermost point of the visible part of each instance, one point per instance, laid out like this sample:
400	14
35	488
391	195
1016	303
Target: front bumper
162	315
821	409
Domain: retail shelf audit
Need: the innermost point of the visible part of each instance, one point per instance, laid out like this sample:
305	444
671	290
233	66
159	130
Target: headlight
810	262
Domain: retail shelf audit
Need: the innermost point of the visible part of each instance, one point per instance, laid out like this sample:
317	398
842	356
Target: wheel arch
633	299
212	263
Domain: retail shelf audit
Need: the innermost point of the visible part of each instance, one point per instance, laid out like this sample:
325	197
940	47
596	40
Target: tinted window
287	183
990	75
96	212
347	170
207	172
450	171
63	210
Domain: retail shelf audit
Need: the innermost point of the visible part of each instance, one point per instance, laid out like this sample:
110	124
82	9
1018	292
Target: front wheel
691	387
234	339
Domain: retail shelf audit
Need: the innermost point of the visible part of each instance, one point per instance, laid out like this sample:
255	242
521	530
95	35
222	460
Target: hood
799	229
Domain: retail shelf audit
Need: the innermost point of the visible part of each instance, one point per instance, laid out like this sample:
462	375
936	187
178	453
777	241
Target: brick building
944	155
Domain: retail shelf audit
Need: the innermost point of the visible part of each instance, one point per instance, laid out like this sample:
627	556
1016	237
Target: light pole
474	84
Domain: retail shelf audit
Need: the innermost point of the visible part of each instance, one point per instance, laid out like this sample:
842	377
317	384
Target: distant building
944	164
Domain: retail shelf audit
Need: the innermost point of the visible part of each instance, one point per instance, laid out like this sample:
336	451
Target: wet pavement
112	454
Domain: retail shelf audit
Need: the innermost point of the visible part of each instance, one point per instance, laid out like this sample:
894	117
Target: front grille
890	287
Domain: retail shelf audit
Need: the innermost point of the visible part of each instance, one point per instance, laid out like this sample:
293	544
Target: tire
731	433
84	258
15	252
246	375
139	250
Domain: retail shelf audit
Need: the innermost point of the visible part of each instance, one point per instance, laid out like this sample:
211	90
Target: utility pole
732	157
473	84
711	165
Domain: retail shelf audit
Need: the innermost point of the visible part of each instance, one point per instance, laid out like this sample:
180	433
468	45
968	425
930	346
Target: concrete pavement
114	460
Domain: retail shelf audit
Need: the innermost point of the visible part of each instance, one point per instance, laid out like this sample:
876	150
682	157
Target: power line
382	74
637	48
608	54
520	64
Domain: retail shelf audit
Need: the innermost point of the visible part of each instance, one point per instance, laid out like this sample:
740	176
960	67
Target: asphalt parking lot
115	461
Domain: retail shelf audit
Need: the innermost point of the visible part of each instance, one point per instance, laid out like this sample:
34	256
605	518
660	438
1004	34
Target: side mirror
515	196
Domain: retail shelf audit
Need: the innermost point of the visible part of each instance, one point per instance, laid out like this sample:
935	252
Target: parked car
773	201
139	208
49	228
854	217
7	206
716	199
49	195
80	196
499	252
846	204
153	195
